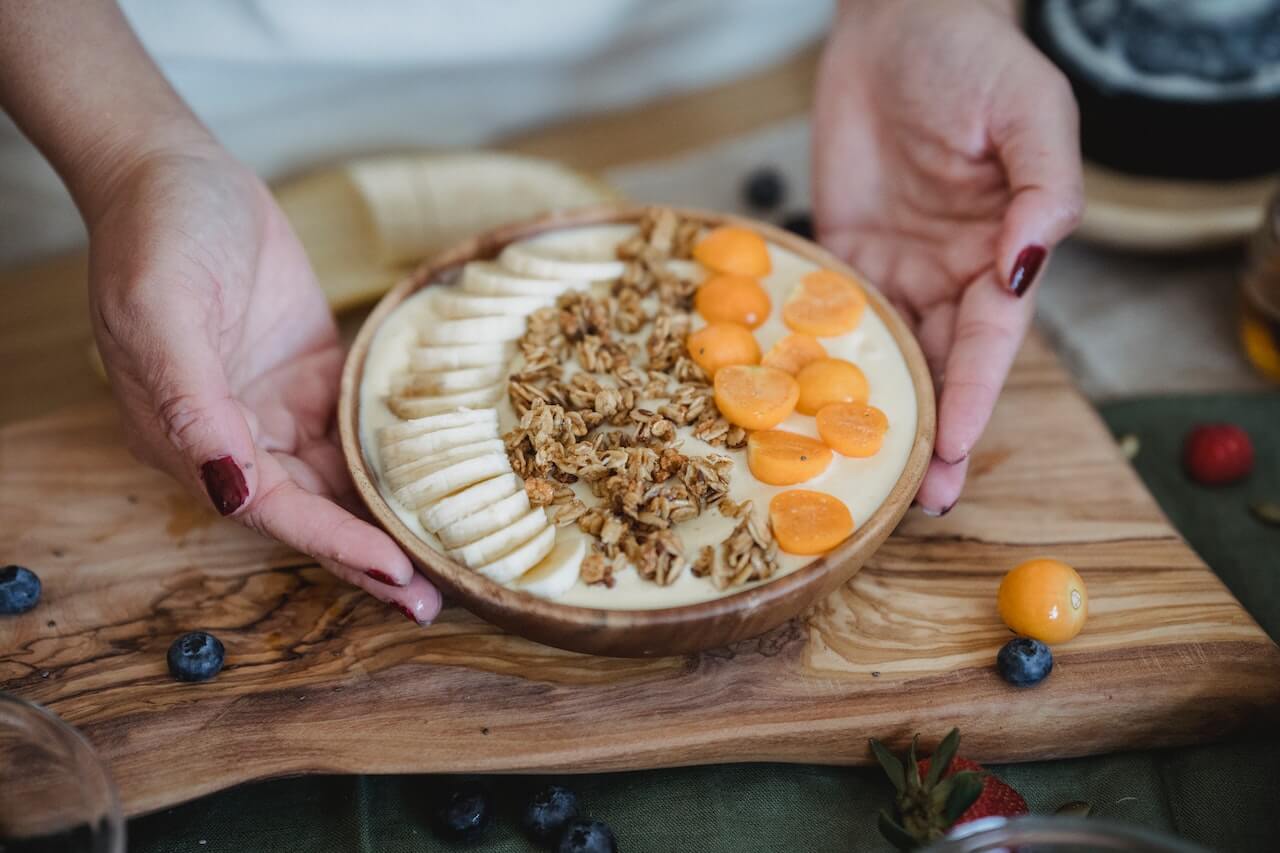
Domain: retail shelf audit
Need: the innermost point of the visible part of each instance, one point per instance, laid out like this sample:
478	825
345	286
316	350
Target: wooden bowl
636	633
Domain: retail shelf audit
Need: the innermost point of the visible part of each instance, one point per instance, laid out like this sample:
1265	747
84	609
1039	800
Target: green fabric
1223	796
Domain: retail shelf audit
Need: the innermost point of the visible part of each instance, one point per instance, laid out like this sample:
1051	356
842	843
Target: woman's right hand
224	358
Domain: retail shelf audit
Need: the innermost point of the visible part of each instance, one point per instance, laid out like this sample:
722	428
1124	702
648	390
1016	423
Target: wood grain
321	678
638	633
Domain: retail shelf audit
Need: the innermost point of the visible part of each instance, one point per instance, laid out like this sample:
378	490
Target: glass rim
1059	829
76	742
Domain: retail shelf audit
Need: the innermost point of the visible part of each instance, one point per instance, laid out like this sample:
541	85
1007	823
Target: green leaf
892	766
913	764
966	788
942	757
1268	512
938	796
896	835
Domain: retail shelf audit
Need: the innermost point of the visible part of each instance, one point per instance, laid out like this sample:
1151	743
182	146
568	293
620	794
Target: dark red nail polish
946	509
408	614
381	577
1025	269
224	481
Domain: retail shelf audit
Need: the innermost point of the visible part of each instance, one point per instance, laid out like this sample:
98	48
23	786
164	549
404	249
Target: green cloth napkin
1224	796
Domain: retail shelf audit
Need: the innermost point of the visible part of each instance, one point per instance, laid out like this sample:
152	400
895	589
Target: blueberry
19	590
764	189
1024	662
799	223
464	813
587	836
547	813
196	656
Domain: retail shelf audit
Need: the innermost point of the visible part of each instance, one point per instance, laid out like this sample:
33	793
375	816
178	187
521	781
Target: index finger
989	330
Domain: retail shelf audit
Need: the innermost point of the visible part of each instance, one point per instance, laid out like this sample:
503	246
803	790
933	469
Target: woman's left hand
946	167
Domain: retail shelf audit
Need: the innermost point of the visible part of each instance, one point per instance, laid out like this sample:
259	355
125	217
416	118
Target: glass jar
1260	296
55	795
1045	834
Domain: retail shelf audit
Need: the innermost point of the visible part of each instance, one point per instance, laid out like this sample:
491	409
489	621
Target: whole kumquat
732	299
721	344
1044	599
734	249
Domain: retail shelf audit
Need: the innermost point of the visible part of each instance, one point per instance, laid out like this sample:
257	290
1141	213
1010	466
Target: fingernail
409	614
938	513
381	577
224	481
1025	269
957	461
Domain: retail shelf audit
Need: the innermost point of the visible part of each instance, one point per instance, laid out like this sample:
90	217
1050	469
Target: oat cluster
603	387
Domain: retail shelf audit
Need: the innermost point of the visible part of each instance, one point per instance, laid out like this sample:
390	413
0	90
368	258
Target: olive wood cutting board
320	678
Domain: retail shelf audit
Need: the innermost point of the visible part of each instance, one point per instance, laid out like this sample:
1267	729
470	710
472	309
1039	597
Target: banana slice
455	305
406	472
687	270
502	541
421	407
432	487
418	426
557	572
447	381
472	330
514	563
485	278
540	262
468	501
458	356
414	449
484	521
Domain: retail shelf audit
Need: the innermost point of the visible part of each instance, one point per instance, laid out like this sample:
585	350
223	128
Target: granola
605	384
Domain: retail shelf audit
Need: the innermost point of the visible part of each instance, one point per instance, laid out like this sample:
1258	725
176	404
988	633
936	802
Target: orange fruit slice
721	344
830	380
808	522
825	304
732	299
794	352
782	458
734	249
755	397
852	429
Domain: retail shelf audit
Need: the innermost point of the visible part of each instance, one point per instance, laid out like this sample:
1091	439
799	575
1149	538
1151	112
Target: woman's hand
946	165
225	360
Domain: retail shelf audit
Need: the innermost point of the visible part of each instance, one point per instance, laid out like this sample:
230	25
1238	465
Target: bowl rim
467	584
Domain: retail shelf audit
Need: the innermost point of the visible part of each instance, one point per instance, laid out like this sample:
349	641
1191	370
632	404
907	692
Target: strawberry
1217	454
941	792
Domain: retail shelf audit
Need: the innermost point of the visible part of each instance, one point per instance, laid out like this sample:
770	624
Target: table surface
44	330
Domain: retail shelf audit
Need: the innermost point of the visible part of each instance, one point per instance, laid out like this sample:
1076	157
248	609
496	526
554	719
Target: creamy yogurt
862	484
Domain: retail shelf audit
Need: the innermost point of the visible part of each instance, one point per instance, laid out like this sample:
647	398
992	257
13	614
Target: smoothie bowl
636	431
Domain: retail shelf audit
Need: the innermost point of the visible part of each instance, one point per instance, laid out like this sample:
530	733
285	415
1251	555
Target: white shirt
290	83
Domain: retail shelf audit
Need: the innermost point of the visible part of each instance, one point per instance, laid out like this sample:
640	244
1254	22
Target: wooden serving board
320	678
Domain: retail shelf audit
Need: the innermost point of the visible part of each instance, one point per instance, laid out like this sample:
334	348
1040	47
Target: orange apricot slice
794	352
830	380
732	299
808	522
721	344
755	397
825	304
782	458
852	429
733	249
